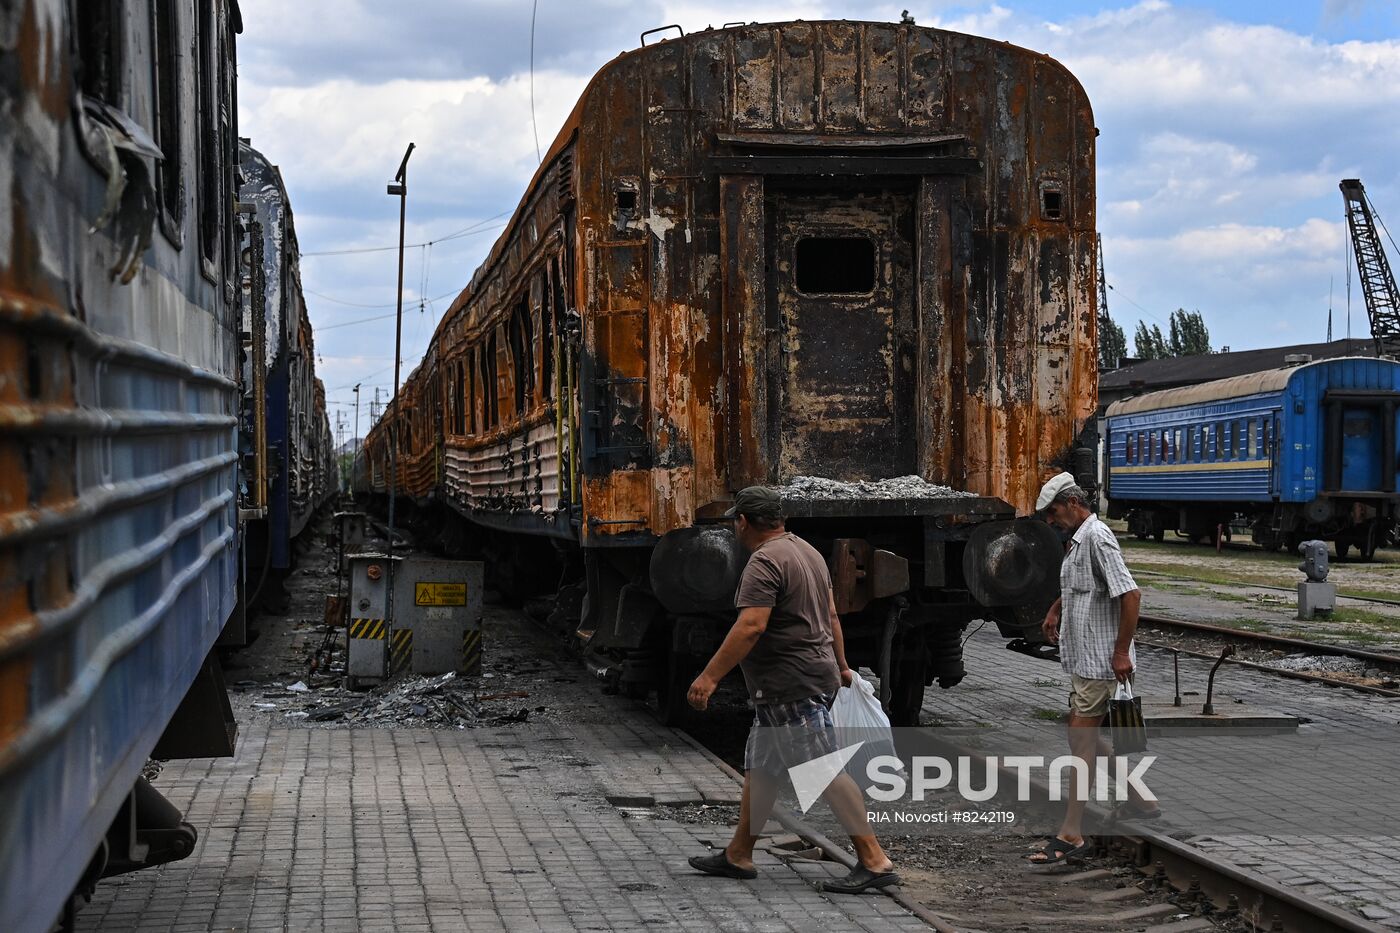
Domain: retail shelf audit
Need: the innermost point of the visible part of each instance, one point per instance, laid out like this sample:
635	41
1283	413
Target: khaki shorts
1089	697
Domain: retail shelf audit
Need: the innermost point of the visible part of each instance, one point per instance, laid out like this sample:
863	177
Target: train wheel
906	693
1369	543
1159	535
1342	548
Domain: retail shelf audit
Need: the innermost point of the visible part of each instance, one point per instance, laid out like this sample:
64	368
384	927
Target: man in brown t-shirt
787	640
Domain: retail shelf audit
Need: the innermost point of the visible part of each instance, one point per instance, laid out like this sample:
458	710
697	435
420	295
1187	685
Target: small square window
835	265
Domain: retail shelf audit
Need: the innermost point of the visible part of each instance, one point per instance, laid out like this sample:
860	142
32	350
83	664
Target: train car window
491	388
1253	438
209	200
1166	447
459	394
1180	453
99	33
521	371
835	265
165	45
1128	449
547	312
1265	448
1205	443
471	392
1052	200
500	341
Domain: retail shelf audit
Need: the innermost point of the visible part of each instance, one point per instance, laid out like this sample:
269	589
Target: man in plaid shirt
1093	622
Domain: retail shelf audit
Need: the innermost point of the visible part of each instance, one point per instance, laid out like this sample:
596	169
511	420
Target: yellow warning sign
440	594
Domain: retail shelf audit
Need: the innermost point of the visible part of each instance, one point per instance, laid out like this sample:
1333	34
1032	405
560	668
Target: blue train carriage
118	431
288	458
1298	453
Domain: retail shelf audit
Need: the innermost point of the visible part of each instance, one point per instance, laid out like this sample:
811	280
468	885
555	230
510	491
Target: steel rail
1381	600
1186	867
1292	675
1277	641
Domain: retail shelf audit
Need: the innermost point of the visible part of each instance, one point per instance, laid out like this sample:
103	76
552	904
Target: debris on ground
1325	664
899	487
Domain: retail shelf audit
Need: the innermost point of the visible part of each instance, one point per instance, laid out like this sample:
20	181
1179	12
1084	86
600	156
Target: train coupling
861	574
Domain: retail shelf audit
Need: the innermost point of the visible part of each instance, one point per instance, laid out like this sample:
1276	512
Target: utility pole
399	188
357	418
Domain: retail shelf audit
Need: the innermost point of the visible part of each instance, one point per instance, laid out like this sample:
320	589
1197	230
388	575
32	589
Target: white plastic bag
860	718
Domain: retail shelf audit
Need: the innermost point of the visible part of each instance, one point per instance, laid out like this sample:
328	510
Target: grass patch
1048	715
1349	616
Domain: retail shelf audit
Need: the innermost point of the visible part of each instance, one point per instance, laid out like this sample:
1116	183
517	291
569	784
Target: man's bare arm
1128	605
752	623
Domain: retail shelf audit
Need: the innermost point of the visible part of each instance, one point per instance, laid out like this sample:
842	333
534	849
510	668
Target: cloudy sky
1225	129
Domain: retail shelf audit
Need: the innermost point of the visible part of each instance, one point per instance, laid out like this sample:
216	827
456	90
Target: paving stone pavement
506	828
1352	864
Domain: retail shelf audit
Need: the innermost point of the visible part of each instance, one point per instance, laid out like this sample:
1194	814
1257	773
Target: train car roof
1260	383
571	126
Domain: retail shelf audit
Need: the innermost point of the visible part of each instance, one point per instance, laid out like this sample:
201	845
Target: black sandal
719	864
860	879
1057	852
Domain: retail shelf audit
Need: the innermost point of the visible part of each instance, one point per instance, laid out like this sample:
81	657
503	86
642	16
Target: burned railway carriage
853	250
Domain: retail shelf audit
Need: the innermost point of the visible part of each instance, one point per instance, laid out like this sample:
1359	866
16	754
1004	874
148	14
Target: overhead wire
480	227
534	125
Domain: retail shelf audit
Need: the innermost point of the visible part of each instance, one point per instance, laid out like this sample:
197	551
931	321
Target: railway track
1378	600
1285	645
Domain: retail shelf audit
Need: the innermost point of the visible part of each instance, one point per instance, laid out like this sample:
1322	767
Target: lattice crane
1377	281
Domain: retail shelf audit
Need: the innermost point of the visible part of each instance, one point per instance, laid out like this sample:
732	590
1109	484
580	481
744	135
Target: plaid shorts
788	734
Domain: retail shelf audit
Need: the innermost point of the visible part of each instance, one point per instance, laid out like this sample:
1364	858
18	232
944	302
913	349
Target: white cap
1052	488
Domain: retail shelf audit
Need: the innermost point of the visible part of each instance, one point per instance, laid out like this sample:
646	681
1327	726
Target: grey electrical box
351	528
437	616
368	633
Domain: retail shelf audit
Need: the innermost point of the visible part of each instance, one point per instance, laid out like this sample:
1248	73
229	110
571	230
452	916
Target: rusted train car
848	250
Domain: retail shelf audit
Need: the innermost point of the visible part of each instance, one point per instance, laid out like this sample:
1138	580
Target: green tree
1150	344
1189	334
1113	343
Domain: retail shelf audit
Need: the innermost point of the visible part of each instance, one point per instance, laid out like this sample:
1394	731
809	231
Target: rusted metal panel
746	362
882	96
840	91
798	96
754	54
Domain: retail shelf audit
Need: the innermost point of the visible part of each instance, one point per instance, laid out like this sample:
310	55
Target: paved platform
492	828
1352	863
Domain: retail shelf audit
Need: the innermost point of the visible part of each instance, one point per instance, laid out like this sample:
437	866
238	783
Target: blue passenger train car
1301	452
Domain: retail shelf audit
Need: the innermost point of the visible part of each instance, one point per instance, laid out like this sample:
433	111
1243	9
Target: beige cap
1052	488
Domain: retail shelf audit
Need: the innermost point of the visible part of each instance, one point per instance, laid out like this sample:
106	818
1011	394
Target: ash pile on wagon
820	488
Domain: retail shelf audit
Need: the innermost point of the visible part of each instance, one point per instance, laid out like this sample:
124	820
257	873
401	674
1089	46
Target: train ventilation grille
566	178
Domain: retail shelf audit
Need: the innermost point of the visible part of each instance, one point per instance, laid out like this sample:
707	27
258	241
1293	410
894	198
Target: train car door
1361	449
841	279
